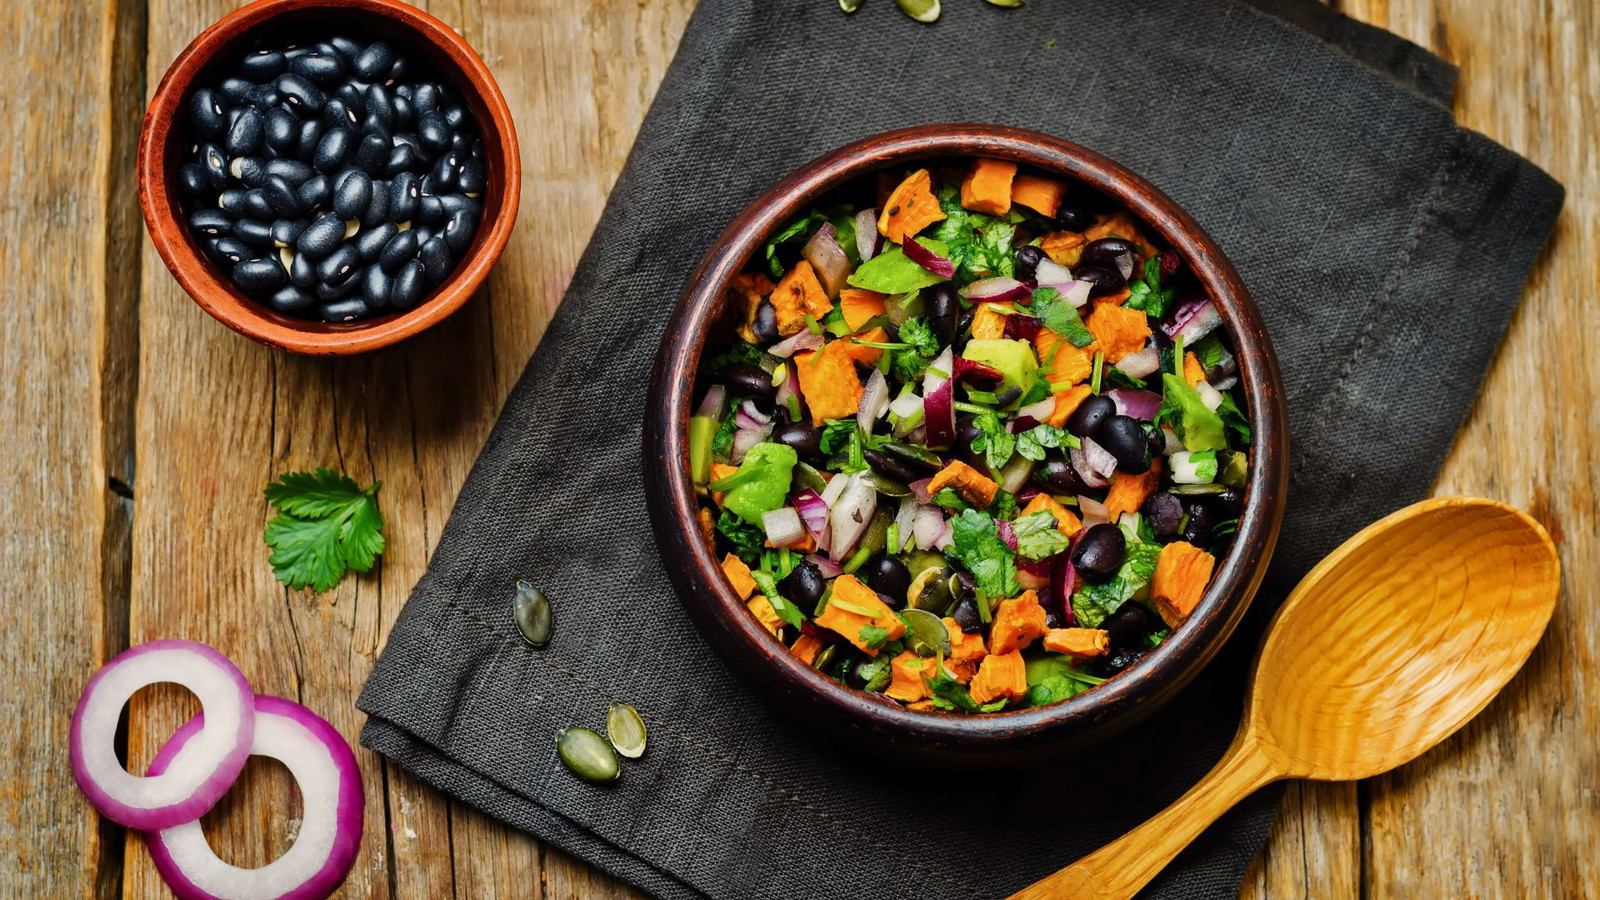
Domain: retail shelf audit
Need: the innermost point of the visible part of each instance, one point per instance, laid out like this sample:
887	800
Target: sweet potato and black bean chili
975	447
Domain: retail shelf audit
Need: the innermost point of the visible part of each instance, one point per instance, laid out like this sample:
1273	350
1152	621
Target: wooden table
139	433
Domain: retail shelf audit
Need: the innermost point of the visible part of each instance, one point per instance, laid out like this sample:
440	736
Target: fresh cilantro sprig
993	440
326	525
1034	442
978	545
979	245
922	347
1037	536
1094	602
747	540
1148	294
1059	315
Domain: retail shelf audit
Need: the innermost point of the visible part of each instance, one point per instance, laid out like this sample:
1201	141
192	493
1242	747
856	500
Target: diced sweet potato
744	294
973	486
1017	623
910	208
799	293
1068	364
738	575
708	525
1083	643
1118	224
806	647
829	382
861	353
1063	247
860	306
987	187
988	323
1000	675
761	608
1066	521
1182	573
848	591
1128	492
906	682
922	706
966	651
1192	372
1067	402
808	544
1042	195
1118	331
720	471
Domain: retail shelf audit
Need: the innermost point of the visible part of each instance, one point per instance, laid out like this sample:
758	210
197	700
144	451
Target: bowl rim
203	281
705	592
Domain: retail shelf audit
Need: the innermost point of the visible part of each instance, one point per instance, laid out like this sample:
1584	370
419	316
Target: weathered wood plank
60	343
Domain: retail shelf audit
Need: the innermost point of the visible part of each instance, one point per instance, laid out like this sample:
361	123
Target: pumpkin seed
928	635
850	6
884	485
825	657
807	476
1008	4
921	10
588	755
625	728
930	590
530	608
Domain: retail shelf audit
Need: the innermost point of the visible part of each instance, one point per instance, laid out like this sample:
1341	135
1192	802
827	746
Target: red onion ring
928	259
997	288
211	762
868	240
325	770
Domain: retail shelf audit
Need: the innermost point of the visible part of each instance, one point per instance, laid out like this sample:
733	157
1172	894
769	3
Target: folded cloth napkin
1385	246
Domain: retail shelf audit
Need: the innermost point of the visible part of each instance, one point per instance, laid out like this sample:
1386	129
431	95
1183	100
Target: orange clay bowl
419	35
865	722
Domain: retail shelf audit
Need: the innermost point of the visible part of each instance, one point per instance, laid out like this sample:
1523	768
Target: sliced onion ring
325	771
209	764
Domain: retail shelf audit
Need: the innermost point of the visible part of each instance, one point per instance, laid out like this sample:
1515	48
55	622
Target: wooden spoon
1386	648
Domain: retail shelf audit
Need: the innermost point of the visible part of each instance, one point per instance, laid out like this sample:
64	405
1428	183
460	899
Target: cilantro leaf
1233	418
1093	602
798	231
836	435
993	440
876	672
947	498
949	693
747	539
326	525
909	364
1037	535
979	245
978	546
739	352
722	441
1005	504
1060	316
1148	294
1035	441
873	636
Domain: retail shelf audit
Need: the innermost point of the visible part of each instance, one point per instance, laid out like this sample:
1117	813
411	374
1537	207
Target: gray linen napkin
1385	246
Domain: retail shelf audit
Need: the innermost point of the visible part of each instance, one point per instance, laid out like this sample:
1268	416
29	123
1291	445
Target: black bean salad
332	180
975	447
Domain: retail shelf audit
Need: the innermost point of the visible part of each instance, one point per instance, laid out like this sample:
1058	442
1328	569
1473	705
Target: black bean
401	247
433	132
473	177
212	223
281	196
257	206
444	174
343	310
372	154
436	260
1229	501
334	149
377	211
315	192
407	285
279	129
425	97
215	164
259	275
308	137
350	94
1073	218
888	575
397	69
334	290
249	170
1164	512
375	287
458	232
352	190
371	241
377	103
335	114
207	114
375	60
291	300
262	65
455	116
234	89
1090	416
253	231
321	69
1130	625
286	231
1112	253
402	197
1099	552
747	380
347	49
423	233
192	179
339	265
765	325
804	585
229	250
263	96
300	94
1117	662
892	466
321	237
378	125
1059	476
1124	438
1101	280
1028	258
1201	521
302	272
944	312
430	211
965	612
402	158
805	438
405	115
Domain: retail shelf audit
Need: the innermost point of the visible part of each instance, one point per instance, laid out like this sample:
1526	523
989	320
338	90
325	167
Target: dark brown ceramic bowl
422	37
866	722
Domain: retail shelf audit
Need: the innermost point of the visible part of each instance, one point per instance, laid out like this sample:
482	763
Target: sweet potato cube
1192	372
1128	492
906	682
1000	675
988	323
1066	521
973	486
1063	247
744	294
720	471
806	647
911	207
1042	195
848	591
859	306
761	608
798	294
861	353
1017	623
1117	330
738	575
966	651
1182	573
1067	403
1082	643
987	187
829	382
1068	364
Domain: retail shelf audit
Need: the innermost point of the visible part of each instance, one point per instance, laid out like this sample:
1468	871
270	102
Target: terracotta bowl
421	36
863	721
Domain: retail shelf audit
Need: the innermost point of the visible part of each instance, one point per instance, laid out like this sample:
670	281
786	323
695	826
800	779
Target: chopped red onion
852	514
928	259
826	566
1170	441
836	486
1014	474
711	405
1139	404
905	521
1064	580
744	439
828	259
789	388
868	240
1209	395
1194	318
803	339
1100	459
813	511
1140	364
874	401
938	398
1090	475
982	376
1021	423
1021	327
751	417
783	527
1007	535
1074	292
919	489
905	408
1040	411
1092	512
996	289
1050	273
947	537
929	527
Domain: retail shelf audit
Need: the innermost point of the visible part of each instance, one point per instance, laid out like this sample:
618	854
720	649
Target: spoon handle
1119	869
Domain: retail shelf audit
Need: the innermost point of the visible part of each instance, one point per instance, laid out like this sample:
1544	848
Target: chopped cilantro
1037	391
1060	316
978	545
1035	441
837	434
1148	294
979	245
873	636
875	672
1233	418
993	440
739	352
798	231
949	693
722	441
1005	504
921	348
947	498
747	539
1037	536
1093	602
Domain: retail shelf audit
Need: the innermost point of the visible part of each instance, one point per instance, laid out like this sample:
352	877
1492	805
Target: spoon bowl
1386	648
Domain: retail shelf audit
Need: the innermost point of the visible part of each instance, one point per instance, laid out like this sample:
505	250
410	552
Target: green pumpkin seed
625	728
927	635
807	476
825	657
921	10
850	6
884	485
930	589
1197	490
1007	4
588	755
530	608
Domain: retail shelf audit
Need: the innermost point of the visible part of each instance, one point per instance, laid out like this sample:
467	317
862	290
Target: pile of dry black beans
331	181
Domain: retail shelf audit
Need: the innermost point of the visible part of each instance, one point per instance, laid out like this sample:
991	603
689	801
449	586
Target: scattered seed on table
530	609
588	755
625	728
